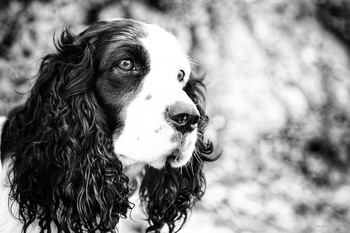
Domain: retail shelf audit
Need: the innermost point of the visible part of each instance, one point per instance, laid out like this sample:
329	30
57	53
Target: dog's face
142	75
116	95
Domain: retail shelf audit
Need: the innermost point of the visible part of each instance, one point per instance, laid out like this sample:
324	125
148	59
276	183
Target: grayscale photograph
160	116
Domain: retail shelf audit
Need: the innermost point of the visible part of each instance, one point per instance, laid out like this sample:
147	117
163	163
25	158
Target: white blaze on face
147	137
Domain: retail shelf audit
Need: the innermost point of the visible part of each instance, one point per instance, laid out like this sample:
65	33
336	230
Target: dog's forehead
164	47
159	37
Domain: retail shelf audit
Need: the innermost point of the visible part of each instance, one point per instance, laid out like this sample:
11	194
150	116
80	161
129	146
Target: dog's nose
182	116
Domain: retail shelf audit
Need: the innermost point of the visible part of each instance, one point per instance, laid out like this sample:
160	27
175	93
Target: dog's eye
126	65
180	75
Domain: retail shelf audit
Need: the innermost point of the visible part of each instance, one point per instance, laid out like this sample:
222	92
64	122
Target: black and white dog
114	102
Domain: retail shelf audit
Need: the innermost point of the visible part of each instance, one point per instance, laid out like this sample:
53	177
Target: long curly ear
64	169
168	194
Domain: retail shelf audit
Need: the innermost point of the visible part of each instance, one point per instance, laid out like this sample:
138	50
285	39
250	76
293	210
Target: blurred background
278	91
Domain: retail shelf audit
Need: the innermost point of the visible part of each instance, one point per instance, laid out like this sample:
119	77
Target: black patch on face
116	88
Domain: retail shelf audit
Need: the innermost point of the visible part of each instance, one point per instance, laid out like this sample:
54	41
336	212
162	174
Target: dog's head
142	78
118	94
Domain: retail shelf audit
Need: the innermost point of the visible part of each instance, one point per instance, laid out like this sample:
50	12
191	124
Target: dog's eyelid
181	75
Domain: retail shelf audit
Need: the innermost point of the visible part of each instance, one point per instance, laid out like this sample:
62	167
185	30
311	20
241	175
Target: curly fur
64	171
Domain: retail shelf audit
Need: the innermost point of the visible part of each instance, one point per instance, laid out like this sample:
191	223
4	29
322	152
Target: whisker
197	156
192	61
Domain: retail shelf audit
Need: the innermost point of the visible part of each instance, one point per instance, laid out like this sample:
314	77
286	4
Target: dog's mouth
179	157
175	151
175	156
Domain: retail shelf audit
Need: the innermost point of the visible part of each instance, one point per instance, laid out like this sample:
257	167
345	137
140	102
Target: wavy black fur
64	169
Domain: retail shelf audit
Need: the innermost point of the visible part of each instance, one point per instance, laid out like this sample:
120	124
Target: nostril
186	119
182	116
181	119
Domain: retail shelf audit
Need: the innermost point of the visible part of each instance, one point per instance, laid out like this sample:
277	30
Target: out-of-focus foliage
278	96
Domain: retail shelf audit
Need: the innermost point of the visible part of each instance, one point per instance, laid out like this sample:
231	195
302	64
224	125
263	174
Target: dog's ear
170	193
64	169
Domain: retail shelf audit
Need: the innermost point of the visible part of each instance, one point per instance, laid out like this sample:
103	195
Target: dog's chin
176	157
175	160
179	163
176	152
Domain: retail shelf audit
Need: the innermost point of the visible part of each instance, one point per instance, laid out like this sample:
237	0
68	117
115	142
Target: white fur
146	137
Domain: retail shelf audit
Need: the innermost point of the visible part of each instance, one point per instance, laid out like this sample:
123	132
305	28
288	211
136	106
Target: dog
114	102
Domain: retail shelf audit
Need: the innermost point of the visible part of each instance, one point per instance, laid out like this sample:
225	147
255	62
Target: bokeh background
278	91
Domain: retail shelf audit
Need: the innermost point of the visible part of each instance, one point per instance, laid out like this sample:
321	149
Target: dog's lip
126	161
122	156
175	156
